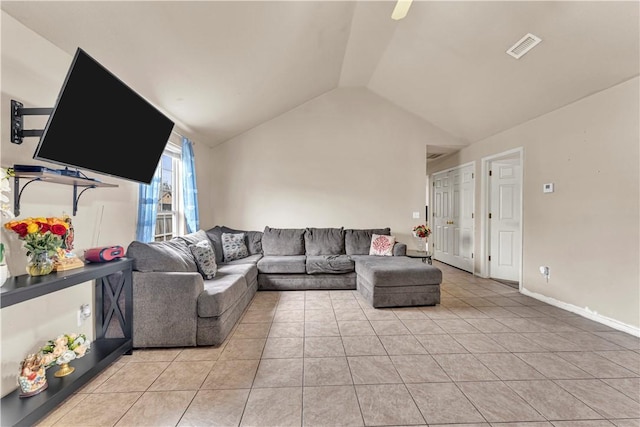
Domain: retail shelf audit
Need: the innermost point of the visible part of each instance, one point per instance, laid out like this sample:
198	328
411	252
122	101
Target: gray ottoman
398	282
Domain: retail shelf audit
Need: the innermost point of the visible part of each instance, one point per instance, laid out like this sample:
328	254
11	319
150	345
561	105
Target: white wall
587	231
346	158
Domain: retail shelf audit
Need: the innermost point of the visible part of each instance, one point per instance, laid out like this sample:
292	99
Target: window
169	220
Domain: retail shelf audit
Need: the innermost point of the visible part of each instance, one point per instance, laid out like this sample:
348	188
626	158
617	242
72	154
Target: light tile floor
487	355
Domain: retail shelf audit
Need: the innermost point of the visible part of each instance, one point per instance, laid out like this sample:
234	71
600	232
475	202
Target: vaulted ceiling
221	68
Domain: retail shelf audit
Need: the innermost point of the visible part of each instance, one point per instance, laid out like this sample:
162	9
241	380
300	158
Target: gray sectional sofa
175	306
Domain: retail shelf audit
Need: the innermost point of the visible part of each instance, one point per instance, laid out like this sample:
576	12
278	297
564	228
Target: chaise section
398	282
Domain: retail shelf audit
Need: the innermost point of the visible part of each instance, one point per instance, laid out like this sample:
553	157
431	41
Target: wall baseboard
584	312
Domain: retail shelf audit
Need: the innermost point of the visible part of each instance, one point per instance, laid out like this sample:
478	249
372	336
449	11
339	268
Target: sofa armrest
165	308
399	249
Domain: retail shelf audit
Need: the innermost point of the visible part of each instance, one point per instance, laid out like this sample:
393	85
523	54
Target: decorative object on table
103	253
32	378
62	350
421	233
65	259
42	237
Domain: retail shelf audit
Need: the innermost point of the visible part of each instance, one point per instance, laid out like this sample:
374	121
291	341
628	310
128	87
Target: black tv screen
100	124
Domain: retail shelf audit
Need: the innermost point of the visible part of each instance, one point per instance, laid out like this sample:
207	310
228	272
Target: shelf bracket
17	122
76	196
18	193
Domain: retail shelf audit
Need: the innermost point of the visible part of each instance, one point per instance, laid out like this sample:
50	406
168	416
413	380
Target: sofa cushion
329	264
193	238
215	235
283	241
172	255
249	271
220	294
233	246
205	258
253	239
282	264
358	241
251	259
324	241
382	245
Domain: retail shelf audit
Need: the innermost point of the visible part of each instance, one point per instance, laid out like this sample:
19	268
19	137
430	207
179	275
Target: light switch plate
547	188
416	215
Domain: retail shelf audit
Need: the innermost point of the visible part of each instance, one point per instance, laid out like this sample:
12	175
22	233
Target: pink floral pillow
382	245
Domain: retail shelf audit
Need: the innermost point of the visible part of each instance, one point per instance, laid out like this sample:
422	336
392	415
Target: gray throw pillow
205	259
233	246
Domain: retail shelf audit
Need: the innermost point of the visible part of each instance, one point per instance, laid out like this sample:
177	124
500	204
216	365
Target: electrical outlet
544	270
84	312
416	215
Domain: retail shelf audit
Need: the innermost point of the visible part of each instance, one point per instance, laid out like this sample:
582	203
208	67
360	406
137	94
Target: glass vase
421	243
40	264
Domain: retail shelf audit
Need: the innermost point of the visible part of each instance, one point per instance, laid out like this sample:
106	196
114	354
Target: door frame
485	191
432	207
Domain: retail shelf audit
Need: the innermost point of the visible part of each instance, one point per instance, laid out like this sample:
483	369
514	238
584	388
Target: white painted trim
584	312
464	165
484	220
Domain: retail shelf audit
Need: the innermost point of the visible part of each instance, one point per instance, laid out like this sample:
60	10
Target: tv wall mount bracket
17	122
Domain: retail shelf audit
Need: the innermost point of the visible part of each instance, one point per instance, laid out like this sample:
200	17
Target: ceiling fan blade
401	9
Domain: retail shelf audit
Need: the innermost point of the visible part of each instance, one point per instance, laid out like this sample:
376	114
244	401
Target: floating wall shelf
44	176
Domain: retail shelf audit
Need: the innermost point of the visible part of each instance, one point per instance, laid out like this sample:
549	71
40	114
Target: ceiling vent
523	45
434	156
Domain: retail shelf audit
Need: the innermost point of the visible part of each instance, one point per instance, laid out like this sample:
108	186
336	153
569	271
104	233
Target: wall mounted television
98	123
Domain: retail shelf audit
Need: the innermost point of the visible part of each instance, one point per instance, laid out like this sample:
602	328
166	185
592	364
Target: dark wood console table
113	295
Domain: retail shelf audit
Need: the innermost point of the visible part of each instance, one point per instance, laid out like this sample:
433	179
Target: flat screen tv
100	124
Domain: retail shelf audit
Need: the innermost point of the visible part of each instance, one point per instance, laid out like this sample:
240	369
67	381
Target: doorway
503	217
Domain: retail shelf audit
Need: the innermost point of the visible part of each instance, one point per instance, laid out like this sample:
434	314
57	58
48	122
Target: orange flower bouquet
42	238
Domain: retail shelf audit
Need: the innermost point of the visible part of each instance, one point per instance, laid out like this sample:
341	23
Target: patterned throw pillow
382	245
233	246
205	259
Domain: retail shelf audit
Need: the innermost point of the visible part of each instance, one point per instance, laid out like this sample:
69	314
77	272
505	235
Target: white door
504	219
441	212
462	219
453	217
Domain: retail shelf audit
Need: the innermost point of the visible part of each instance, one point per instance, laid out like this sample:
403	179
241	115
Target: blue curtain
148	208
189	188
